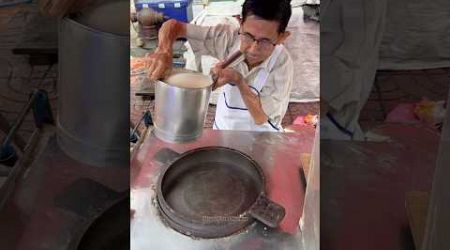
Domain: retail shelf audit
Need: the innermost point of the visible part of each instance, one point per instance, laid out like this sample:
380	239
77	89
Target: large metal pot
93	87
180	112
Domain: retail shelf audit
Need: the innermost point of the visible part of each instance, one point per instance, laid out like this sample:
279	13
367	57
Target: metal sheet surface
279	156
55	199
364	185
93	100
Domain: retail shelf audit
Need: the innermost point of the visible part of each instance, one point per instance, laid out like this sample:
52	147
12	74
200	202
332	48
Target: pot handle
166	156
267	211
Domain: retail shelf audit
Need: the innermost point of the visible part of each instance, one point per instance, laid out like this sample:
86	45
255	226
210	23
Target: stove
278	154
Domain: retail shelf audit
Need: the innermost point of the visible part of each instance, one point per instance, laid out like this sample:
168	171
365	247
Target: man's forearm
253	103
169	32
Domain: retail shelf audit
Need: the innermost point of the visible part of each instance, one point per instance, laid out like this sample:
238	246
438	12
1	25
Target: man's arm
253	103
214	41
160	61
250	98
169	32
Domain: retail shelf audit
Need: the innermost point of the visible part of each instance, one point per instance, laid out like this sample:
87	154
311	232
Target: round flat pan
208	192
212	183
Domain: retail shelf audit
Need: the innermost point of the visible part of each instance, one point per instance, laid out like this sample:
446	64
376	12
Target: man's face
267	35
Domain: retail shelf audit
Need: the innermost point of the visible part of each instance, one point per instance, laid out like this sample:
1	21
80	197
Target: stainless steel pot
93	90
180	112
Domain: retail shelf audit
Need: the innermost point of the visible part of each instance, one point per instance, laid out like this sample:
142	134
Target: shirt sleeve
275	93
215	41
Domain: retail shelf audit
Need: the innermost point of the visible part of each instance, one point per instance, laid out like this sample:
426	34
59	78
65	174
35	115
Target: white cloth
304	46
417	35
302	2
232	113
351	32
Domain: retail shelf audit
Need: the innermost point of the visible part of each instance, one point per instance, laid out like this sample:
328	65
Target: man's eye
265	41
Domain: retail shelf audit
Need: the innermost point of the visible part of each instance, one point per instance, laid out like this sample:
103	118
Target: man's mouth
252	57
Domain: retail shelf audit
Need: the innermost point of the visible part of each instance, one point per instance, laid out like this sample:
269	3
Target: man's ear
283	36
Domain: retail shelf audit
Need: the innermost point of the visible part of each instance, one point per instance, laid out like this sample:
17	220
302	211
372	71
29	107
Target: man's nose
253	47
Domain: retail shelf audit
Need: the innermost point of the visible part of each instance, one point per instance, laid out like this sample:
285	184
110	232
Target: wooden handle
231	59
227	63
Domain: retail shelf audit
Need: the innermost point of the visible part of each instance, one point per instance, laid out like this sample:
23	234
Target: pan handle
267	211
166	156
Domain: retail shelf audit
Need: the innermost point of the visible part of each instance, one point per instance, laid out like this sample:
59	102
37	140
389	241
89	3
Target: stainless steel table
279	156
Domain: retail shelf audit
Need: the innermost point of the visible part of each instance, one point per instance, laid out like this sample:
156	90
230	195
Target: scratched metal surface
279	156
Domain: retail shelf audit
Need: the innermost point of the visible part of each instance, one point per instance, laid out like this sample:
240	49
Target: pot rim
74	22
192	88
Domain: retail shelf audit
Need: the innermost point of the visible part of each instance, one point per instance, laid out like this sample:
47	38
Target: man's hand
251	99
224	76
159	64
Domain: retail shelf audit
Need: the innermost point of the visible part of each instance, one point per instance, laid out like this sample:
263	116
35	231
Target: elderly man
256	87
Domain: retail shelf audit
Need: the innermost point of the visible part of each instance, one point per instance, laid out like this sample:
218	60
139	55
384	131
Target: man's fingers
150	67
167	72
158	72
149	64
217	71
218	74
221	80
218	66
155	73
